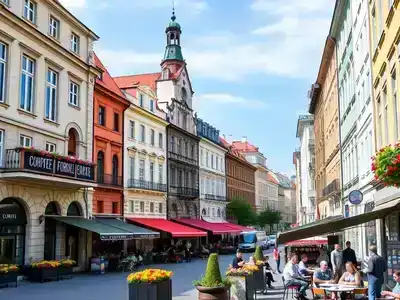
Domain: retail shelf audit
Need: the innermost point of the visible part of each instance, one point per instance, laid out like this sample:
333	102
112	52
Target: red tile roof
244	146
107	81
233	151
130	81
271	178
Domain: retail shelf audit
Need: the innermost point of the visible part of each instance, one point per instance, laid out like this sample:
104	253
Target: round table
337	288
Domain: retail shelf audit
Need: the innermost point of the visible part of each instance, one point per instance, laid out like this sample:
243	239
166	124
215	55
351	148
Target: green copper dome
173	24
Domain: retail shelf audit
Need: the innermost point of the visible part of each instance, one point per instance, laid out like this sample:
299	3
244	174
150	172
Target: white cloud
187	6
224	98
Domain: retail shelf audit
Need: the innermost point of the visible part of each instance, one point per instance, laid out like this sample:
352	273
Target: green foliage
242	211
258	255
386	165
213	274
268	217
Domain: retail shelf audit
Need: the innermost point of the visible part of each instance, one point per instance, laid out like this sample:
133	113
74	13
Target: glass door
7	249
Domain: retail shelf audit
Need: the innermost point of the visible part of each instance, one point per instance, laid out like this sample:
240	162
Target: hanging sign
356	197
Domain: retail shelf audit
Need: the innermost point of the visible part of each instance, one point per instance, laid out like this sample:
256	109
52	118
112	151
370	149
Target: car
265	244
272	240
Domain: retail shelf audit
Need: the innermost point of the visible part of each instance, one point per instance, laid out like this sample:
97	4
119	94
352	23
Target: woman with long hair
351	277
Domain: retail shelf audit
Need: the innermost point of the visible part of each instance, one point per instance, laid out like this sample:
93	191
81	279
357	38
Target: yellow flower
149	276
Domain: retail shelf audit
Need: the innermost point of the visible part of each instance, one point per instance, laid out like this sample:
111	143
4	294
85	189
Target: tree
242	211
269	217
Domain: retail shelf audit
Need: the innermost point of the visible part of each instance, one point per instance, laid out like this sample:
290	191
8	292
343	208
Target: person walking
376	268
277	258
337	261
349	255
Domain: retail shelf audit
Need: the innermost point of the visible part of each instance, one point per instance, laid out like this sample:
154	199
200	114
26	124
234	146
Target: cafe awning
138	232
215	228
317	240
106	232
337	223
175	229
240	227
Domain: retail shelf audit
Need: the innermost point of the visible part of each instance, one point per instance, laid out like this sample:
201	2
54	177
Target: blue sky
251	62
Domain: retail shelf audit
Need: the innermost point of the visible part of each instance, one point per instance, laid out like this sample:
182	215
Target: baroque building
212	172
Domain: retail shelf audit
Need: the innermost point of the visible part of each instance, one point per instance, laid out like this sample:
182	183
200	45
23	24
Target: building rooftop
106	80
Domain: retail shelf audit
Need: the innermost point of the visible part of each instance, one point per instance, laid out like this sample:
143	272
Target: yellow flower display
47	264
259	262
149	276
67	263
250	268
8	268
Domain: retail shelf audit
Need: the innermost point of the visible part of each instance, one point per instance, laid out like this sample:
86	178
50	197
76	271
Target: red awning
239	227
309	241
215	228
175	229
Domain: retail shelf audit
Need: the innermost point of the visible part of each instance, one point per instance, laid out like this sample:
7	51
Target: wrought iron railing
146	185
184	191
109	179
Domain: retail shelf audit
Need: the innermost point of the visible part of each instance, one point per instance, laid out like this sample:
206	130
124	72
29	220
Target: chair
287	288
360	293
319	293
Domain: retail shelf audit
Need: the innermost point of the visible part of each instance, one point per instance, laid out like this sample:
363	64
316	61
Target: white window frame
51	103
151	172
2	134
3	74
25	141
27	104
142	168
151	105
131	206
131	167
74	43
74	89
141	206
54	27
131	129
152	137
160	140
30	10
141	100
51	147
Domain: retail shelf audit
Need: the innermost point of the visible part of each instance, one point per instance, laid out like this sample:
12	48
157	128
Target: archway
100	167
72	142
72	232
12	231
174	211
50	231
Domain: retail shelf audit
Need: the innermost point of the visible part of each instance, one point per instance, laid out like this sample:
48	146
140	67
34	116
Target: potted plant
212	286
242	282
66	268
259	275
8	274
150	284
44	270
386	165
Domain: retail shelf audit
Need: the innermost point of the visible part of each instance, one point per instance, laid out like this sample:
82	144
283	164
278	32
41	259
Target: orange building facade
108	130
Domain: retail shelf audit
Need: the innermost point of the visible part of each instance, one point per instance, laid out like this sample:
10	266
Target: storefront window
50	227
393	246
12	232
72	232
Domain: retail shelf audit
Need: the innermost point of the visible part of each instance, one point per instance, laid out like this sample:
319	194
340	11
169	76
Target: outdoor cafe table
337	288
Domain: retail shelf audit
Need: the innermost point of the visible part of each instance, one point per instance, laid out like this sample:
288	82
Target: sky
251	62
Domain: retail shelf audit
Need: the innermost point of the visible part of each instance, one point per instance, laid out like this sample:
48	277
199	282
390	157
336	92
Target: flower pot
42	274
242	287
7	278
213	293
259	279
150	291
65	272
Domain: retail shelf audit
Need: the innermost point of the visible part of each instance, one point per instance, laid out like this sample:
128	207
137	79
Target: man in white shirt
294	278
337	261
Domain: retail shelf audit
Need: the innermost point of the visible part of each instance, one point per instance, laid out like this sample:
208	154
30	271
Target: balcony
311	144
109	180
147	185
214	197
333	187
181	158
184	192
42	167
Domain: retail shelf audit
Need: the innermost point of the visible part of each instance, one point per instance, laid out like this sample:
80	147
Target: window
152	137
116	122
385	114
202	157
27	84
151	207
160	140
160	173
212	161
131	167
1	146
115	207
142	206
54	27
216	162
395	103
379	129
160	208
50	147
131	129
102	115
100	207
141	100
151	105
179	146
173	176
30	10
207	162
3	68
25	141
74	43
184	122
131	206
73	94
192	153
187	149
179	178
172	143
51	95
141	169
151	171
142	134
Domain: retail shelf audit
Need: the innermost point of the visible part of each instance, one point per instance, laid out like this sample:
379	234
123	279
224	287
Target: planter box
259	279
65	272
42	274
10	277
146	291
242	287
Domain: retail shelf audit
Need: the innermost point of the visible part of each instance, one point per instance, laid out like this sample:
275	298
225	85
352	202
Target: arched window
72	138
74	210
115	169
52	209
100	167
50	231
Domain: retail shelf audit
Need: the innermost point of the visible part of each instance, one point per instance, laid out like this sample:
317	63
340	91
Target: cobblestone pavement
113	286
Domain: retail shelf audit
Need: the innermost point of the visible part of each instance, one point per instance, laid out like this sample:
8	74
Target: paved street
113	285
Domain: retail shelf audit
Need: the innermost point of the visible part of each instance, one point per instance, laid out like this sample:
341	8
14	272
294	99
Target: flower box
259	279
42	274
65	272
151	291
9	277
242	287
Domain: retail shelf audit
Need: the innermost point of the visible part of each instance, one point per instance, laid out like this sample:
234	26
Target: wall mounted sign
11	214
120	237
356	197
39	163
346	211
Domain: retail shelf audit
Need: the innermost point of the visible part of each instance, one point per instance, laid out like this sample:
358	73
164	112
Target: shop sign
38	163
356	197
112	237
65	168
10	214
146	236
84	172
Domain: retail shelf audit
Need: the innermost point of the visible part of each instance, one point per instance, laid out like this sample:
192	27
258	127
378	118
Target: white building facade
47	77
305	132
212	172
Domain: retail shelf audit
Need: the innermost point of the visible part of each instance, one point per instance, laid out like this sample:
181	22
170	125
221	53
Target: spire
173	17
173	31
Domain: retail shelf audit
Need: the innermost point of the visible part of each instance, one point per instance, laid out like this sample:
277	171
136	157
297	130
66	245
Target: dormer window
165	74
141	100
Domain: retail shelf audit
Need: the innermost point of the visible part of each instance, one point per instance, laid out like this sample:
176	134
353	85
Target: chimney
244	139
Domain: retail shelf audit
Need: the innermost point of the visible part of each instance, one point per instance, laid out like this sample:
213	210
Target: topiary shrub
258	255
212	277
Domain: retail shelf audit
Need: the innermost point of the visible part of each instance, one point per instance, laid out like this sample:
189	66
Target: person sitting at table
323	275
292	277
238	260
268	272
395	293
351	277
303	268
